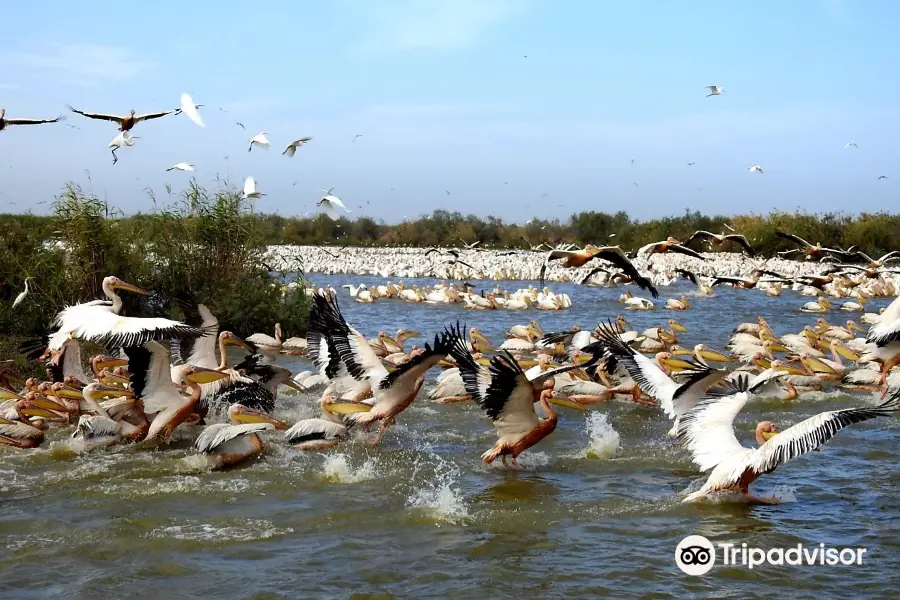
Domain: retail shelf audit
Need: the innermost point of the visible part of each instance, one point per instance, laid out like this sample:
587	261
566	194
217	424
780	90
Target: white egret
182	166
250	189
190	109
292	147
122	140
755	169
21	296
714	90
259	140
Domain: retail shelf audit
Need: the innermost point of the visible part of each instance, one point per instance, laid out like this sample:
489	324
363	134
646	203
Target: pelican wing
103	116
247	392
263	339
593	272
509	400
155	115
881	334
646	249
355	351
201	351
309	430
812	433
557	254
689	274
743	242
34	121
151	377
684	250
700	235
429	357
476	378
614	255
216	435
793	238
320	344
707	430
96	426
190	109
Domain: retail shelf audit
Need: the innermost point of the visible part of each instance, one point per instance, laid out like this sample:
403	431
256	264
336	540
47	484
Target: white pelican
21	297
508	395
674	398
675	304
250	190
811	252
714	90
612	254
756	169
20	433
101	429
321	434
265	342
227	444
719	239
126	122
260	141
393	391
4	121
122	140
670	244
182	166
98	321
822	305
885	335
292	147
330	204
708	432
190	109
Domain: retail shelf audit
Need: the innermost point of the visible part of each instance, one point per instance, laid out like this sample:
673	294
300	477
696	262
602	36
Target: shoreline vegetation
206	243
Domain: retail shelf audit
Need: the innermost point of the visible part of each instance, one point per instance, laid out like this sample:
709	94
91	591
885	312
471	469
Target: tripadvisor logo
696	555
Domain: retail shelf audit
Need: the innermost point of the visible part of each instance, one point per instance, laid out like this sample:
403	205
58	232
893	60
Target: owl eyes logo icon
695	555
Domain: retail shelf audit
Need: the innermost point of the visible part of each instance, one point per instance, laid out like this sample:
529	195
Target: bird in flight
851	145
241	125
126	122
182	166
755	169
4	121
260	140
690	163
636	185
190	109
883	177
292	147
358	135
714	90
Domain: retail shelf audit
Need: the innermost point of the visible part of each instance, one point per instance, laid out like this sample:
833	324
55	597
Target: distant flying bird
358	135
883	177
190	109
250	189
851	144
691	163
4	121
714	90
330	204
126	122
182	166
632	162
292	147
122	140
260	140
241	125
755	169
636	185
448	192
21	296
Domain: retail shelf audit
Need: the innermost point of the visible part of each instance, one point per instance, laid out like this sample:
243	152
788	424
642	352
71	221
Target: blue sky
498	101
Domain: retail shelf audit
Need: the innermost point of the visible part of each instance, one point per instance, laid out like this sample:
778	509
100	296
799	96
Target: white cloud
86	64
443	25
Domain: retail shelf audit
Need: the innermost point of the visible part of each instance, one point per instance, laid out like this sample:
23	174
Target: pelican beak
108	362
768	435
244	416
412	333
778	348
846	352
446	364
47	404
112	380
67	391
201	375
713	356
559	401
131	288
113	392
347	407
679	351
4	421
852	326
763	363
667	338
293	385
677	327
236	341
6	394
793	370
36	411
676	364
768	335
818	366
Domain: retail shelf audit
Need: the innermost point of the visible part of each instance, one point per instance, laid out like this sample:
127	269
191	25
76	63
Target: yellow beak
113	392
131	288
768	435
818	366
47	404
247	416
110	379
676	364
778	348
845	352
713	356
8	394
559	401
35	411
201	375
293	385
347	407
679	351
236	341
677	327
108	362
792	370
68	392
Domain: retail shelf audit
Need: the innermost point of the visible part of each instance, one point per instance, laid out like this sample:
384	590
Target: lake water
596	512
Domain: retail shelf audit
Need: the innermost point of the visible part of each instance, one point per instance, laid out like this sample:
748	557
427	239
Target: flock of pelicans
159	374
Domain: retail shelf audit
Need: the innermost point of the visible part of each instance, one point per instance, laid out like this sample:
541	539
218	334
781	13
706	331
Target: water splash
439	497
337	469
604	440
252	529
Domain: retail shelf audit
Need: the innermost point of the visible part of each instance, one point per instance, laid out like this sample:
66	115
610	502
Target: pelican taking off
708	432
126	122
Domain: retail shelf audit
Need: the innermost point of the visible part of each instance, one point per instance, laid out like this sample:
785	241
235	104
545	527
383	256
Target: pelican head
622	323
2	112
676	327
229	339
114	283
98	390
765	431
707	354
61	390
478	338
853	326
407	334
592	249
131	112
100	362
241	415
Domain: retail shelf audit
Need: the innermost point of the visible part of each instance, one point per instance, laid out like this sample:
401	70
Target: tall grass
207	243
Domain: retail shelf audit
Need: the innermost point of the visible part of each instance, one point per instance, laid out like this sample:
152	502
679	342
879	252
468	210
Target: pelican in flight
714	90
508	396
330	204
811	252
4	121
260	141
612	254
670	244
190	109
127	122
182	166
719	239
708	432
292	147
